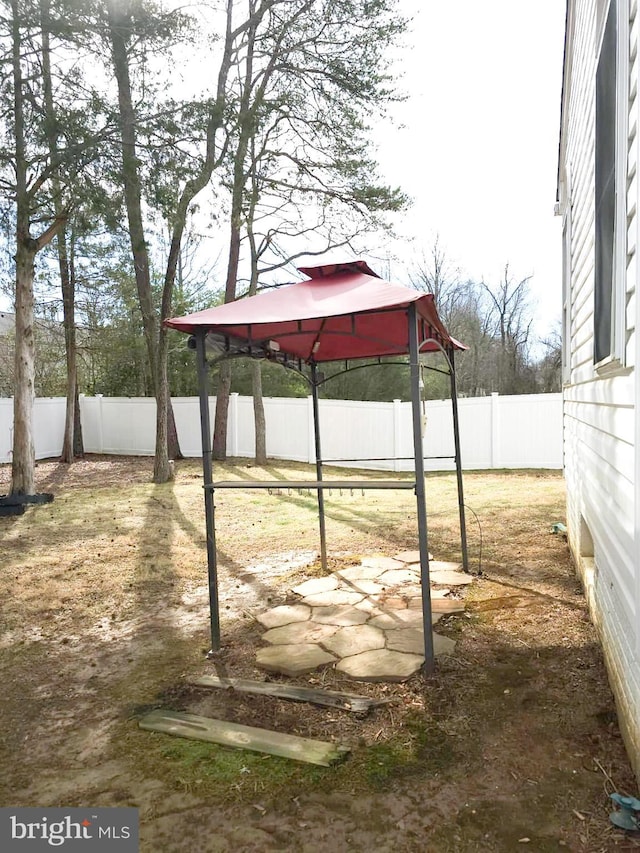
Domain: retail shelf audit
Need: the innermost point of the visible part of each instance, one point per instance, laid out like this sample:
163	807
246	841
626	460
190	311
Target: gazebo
342	313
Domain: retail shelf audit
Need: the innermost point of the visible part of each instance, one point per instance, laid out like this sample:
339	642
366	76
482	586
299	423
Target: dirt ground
513	742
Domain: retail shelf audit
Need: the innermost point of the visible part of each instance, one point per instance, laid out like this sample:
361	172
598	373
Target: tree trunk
119	30
78	444
167	445
119	26
173	441
66	274
222	412
162	468
23	458
258	413
68	307
224	379
237	197
259	421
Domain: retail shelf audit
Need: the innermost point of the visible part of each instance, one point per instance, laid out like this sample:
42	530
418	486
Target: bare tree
511	315
437	275
460	304
122	29
72	439
549	366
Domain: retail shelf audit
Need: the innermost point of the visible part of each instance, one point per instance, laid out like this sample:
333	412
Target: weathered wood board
447	605
344	701
244	737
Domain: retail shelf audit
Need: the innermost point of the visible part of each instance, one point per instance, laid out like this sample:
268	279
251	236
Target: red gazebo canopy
344	311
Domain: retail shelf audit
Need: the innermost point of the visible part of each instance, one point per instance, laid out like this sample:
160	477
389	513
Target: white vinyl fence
496	432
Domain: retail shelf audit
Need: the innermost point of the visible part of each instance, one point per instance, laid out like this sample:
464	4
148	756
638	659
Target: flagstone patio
366	620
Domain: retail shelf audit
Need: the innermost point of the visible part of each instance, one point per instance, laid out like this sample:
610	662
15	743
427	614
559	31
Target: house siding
600	421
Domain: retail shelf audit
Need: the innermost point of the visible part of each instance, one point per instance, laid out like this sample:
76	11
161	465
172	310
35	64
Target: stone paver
299	632
352	641
410	557
398	576
390	602
451	578
366	587
334	596
415	591
410	590
412	641
356	573
366	620
417	608
284	615
293	660
381	665
405	618
383	563
443	645
315	585
371	606
439	593
406	640
336	614
444	566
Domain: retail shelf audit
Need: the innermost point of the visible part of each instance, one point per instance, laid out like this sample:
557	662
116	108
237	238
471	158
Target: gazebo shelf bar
382	459
311	484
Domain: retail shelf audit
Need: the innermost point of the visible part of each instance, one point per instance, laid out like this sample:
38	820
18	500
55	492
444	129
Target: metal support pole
427	621
456	439
209	506
316	435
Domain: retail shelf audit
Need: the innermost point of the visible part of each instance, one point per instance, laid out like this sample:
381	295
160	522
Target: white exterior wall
600	423
495	432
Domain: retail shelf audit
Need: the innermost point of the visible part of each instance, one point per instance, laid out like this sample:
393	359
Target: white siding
600	419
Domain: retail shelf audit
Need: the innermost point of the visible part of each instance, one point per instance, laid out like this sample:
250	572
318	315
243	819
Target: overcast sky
478	152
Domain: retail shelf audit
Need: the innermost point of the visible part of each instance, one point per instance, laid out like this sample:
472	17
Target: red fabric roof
344	311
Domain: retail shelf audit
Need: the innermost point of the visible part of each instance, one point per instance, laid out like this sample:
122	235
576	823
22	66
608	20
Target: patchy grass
104	615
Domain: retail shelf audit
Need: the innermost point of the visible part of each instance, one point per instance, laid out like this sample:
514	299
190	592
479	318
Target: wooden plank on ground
244	737
345	701
447	605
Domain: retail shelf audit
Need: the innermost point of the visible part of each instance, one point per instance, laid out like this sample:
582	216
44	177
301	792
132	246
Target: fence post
397	433
495	430
6	422
233	424
311	435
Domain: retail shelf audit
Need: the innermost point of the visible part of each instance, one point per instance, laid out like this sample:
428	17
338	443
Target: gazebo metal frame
422	336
